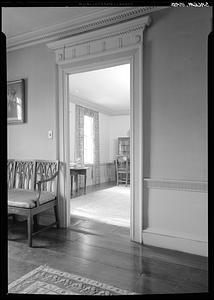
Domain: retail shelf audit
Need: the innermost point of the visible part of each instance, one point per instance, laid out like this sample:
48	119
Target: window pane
88	140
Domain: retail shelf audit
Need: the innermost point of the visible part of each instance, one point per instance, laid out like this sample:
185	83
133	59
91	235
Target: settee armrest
47	179
40	182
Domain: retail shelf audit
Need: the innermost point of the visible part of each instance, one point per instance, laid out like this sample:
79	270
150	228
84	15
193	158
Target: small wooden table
74	172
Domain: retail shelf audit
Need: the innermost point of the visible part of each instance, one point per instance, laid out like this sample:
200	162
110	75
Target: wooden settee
32	189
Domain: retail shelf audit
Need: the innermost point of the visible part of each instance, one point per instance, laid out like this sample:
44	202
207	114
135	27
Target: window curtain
79	140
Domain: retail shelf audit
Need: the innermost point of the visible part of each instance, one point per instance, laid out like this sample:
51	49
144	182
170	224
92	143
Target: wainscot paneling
107	174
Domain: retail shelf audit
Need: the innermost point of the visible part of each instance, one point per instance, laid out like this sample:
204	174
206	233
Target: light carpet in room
45	280
111	206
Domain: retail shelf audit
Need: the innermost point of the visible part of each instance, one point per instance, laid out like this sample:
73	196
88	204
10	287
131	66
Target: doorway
132	55
99	125
107	46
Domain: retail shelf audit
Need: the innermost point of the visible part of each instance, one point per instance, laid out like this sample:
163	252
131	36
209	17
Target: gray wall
175	119
30	140
175	74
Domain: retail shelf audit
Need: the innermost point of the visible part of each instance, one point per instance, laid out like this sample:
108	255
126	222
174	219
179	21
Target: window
88	140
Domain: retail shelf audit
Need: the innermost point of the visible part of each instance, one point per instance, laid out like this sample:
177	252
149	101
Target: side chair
122	169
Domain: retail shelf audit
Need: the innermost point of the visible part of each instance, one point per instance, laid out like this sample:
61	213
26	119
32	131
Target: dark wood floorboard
105	253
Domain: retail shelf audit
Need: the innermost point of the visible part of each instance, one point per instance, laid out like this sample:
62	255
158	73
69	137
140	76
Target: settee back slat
24	174
10	173
47	169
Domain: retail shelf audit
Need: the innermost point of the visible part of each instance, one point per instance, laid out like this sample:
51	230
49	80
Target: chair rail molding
178	185
106	47
87	23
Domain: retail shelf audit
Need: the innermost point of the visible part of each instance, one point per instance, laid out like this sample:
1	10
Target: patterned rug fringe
46	280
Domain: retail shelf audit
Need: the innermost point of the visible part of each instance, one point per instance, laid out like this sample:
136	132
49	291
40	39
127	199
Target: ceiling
22	20
106	90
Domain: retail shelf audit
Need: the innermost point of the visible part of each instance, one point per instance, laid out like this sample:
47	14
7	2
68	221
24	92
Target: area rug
45	280
110	206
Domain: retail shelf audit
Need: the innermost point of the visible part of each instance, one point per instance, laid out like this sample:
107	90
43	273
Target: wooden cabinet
124	146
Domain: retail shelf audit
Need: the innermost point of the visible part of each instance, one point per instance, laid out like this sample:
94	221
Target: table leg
71	185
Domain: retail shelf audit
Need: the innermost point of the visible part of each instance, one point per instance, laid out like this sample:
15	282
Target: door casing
69	62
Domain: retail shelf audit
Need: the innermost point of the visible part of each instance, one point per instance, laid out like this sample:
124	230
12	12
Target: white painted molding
112	39
179	185
175	242
117	30
74	27
89	104
109	46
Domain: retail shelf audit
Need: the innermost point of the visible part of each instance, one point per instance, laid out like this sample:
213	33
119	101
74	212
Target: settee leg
35	221
56	216
30	225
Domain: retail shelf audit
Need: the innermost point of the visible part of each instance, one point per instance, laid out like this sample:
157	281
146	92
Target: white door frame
117	44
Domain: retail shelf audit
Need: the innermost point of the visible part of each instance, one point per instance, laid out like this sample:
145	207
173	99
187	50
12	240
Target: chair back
122	163
10	173
44	170
24	176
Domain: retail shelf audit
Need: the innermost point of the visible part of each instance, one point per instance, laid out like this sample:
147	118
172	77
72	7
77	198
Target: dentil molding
68	29
106	40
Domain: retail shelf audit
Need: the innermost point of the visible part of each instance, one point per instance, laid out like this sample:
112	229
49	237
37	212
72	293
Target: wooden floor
105	253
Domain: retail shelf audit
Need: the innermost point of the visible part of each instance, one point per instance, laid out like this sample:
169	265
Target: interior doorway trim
102	48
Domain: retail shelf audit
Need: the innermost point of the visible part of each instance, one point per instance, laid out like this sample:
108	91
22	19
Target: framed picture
15	101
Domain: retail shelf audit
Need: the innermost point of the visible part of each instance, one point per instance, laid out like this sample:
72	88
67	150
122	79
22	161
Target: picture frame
16	101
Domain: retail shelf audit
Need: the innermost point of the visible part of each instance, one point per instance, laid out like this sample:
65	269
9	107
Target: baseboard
175	242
